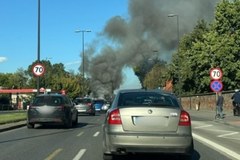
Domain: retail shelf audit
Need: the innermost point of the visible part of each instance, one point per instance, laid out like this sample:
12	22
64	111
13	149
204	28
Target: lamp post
177	16
38	46
178	40
82	31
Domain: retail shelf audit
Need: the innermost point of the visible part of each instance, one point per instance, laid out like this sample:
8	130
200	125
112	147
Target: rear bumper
86	111
118	144
46	120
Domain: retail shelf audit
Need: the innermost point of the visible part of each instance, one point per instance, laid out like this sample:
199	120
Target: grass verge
12	117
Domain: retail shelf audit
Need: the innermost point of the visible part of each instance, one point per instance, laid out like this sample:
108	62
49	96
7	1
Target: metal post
178	42
38	46
178	31
83	55
178	37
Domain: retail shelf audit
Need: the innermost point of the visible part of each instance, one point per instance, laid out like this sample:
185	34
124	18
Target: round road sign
216	86
216	73
38	69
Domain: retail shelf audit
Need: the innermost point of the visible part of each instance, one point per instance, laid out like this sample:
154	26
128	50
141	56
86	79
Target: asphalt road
212	140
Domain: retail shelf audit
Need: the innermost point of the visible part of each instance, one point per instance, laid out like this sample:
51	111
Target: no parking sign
216	84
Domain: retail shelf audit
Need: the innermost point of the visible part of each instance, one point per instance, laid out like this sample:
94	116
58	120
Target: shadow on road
195	156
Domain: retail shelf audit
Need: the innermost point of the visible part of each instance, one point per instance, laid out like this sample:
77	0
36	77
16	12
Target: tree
156	78
144	67
210	47
57	79
185	63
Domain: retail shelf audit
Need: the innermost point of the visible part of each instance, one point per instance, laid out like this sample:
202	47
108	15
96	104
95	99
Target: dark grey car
52	109
146	121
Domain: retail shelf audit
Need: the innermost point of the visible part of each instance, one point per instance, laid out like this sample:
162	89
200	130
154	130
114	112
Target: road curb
10	126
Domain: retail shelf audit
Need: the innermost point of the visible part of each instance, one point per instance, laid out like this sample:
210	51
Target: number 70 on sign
216	74
38	69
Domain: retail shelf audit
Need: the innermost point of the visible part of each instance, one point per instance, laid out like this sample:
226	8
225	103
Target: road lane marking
229	153
81	133
54	154
80	154
205	126
96	134
236	139
227	134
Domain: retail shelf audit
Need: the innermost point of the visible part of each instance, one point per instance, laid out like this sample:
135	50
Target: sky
123	33
59	42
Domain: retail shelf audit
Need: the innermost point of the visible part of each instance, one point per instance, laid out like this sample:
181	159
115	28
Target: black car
52	109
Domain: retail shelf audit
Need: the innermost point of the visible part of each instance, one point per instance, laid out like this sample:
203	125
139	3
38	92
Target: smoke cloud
129	40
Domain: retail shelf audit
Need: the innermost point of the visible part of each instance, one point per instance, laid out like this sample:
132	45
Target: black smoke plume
128	40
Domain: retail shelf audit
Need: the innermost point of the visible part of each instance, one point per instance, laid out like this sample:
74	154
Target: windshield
146	99
82	100
47	100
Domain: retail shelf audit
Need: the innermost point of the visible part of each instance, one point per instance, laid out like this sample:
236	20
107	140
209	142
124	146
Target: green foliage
156	78
208	46
144	67
55	78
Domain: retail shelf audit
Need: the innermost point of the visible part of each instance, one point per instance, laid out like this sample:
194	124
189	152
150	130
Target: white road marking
229	153
205	126
80	154
54	154
96	134
81	133
228	134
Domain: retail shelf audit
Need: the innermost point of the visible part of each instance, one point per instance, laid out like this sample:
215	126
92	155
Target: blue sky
59	19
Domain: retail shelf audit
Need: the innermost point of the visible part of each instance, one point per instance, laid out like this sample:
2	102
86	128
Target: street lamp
38	46
82	31
176	15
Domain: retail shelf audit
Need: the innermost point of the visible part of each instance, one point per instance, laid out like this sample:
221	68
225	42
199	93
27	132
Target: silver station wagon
147	121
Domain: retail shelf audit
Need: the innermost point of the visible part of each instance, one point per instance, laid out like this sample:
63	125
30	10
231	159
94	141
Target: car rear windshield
82	100
147	99
99	101
48	100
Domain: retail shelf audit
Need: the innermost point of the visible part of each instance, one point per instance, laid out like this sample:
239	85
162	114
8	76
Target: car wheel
30	125
76	120
186	157
68	123
107	157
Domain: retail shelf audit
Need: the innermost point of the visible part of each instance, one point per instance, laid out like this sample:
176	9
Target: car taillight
114	117
185	119
61	108
32	107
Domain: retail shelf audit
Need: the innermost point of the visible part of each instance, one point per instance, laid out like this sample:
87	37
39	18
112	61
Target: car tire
69	122
107	156
76	121
30	125
186	157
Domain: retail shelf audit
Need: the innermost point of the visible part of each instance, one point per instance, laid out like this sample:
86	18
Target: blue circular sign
216	86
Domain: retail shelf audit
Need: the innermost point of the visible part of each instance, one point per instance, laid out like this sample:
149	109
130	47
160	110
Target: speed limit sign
38	69
216	73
